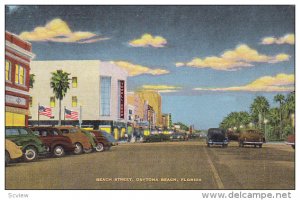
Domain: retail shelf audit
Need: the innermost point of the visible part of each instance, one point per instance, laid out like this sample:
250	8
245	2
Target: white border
132	194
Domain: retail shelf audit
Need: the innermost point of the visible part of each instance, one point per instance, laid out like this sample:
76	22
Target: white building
99	88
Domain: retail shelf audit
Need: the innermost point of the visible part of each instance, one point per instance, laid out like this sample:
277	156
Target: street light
265	122
241	126
250	124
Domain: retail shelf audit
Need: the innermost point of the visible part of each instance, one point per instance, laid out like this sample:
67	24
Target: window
105	85
11	132
23	131
20	75
74	101
30	101
7	70
52	102
74	82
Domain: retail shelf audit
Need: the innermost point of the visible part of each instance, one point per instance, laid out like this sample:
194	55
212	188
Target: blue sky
199	93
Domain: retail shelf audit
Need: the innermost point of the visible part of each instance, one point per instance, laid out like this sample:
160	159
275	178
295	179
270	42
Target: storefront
17	77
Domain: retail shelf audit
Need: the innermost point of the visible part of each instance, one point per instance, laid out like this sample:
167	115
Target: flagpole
80	117
38	114
64	115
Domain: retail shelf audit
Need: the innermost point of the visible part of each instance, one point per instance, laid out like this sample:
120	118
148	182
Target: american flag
45	111
71	114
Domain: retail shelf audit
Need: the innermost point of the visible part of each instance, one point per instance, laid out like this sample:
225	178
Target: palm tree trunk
59	116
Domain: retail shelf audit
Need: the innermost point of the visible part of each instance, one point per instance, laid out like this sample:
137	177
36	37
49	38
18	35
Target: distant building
167	121
18	56
100	88
153	99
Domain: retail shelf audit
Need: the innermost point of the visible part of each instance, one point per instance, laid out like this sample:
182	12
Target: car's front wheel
30	154
78	149
99	147
58	151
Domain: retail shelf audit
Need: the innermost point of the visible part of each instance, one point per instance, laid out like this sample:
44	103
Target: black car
216	136
177	137
156	138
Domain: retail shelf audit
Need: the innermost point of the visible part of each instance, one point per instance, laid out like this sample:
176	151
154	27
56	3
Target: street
166	165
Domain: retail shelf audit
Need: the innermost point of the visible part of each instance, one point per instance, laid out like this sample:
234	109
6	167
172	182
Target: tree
274	119
259	107
236	119
31	80
279	98
60	85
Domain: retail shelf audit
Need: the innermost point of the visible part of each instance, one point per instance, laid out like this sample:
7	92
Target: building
153	99
167	121
97	88
18	56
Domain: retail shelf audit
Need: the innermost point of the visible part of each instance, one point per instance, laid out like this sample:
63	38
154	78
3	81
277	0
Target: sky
206	61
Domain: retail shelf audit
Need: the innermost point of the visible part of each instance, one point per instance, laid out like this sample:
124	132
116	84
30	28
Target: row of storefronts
97	95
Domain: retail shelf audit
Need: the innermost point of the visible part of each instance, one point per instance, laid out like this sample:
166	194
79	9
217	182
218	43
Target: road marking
214	171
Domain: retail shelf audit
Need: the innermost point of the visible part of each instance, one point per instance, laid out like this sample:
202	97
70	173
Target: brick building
17	77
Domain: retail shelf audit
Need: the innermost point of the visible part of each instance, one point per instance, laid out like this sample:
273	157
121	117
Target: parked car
79	139
251	137
103	142
12	151
32	146
156	138
291	140
110	138
54	140
216	136
99	142
177	137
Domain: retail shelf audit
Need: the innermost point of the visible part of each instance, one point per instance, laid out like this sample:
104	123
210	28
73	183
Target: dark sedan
156	138
54	140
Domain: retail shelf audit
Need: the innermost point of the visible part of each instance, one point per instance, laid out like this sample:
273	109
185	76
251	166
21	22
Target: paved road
171	165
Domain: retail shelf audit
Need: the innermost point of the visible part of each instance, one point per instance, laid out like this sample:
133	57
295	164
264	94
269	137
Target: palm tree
259	107
274	120
60	85
280	99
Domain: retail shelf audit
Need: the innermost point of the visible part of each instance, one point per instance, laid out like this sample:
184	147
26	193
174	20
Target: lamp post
265	122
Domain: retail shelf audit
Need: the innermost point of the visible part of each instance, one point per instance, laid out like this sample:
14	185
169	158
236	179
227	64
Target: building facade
97	89
167	120
18	56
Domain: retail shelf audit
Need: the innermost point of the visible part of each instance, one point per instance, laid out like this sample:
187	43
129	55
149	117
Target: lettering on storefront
122	99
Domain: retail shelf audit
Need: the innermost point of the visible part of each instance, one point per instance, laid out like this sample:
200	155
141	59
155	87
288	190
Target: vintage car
93	140
156	138
216	136
54	140
177	137
110	138
291	140
32	146
103	141
12	151
79	139
251	137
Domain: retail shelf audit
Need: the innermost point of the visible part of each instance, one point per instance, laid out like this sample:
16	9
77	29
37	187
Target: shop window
74	82
74	101
52	102
7	70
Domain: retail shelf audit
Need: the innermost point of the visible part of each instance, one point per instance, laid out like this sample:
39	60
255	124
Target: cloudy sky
206	61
